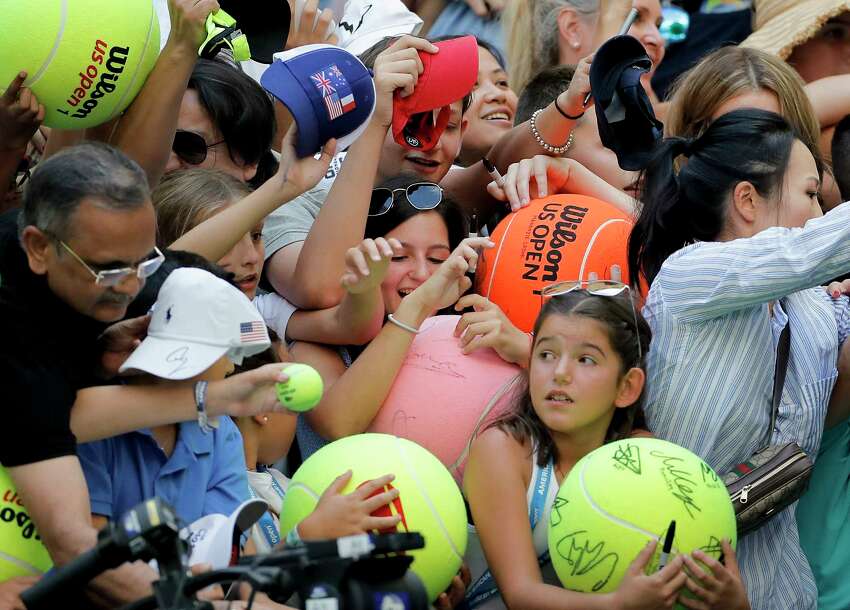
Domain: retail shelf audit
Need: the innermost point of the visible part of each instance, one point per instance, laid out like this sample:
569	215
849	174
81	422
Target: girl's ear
630	388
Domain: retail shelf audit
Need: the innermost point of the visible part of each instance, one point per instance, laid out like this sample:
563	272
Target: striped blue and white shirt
711	362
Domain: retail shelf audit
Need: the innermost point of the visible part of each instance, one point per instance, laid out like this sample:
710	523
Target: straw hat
781	25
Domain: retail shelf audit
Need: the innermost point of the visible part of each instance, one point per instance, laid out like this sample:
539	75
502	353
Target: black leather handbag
776	475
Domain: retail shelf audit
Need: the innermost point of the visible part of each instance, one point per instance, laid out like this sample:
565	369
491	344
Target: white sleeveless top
540	496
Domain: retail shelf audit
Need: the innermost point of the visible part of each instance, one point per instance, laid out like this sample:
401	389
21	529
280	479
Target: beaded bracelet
555	150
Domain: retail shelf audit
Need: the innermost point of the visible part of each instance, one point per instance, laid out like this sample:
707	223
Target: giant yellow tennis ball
624	494
21	550
85	59
429	500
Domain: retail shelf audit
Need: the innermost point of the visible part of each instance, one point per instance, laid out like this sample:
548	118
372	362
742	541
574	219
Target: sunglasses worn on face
191	147
599	288
113	277
421	195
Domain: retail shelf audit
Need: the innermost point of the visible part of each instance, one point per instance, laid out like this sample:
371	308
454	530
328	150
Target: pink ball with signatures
442	397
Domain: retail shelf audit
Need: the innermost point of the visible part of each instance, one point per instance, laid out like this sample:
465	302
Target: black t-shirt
47	352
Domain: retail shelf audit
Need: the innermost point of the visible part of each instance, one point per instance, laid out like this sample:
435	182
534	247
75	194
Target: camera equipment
148	531
363	572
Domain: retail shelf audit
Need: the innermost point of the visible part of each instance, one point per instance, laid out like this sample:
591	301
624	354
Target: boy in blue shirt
201	325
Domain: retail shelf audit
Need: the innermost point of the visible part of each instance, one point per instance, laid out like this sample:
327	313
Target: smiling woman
493	107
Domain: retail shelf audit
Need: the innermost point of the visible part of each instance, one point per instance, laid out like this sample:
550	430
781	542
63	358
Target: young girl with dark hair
584	387
414	249
734	246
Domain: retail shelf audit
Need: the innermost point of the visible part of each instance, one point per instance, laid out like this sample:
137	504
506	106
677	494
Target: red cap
448	76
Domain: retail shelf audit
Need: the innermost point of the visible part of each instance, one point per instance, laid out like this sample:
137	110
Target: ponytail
680	208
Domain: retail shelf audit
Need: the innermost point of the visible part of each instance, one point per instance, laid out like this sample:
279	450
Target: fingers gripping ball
304	389
85	59
625	493
554	239
429	500
21	550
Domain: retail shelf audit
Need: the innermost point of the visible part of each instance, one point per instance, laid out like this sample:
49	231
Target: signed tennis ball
624	494
21	550
85	59
429	500
304	389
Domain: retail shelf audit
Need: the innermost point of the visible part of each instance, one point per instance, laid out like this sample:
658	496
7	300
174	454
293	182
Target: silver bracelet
406	327
555	150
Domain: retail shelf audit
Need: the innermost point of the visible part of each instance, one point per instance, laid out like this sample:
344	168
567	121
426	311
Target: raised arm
311	279
217	235
710	279
20	116
146	129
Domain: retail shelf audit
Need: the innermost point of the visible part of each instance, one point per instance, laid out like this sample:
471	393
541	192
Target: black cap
265	24
626	121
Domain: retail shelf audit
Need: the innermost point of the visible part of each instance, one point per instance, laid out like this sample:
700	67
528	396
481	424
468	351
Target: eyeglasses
113	277
191	147
599	288
421	195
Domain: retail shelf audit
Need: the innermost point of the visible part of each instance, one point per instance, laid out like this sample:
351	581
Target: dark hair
92	170
542	90
369	56
451	213
494	51
841	157
680	208
241	110
618	318
174	259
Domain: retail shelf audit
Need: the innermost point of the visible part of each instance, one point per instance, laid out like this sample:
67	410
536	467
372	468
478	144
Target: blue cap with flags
328	91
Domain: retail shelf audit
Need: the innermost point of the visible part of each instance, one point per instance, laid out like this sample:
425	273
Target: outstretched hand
449	281
530	179
339	514
20	115
366	264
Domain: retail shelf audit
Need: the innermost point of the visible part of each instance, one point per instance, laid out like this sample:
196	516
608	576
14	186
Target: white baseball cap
197	319
215	538
366	22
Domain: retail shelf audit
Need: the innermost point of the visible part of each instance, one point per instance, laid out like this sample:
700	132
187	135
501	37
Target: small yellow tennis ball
21	550
85	59
304	389
624	494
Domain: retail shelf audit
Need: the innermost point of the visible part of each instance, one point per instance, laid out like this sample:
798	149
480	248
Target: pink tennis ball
441	397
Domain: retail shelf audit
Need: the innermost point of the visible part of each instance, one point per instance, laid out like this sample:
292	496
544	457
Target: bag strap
783	349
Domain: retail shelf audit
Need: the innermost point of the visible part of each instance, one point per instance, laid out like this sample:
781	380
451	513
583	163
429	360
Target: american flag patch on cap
252	331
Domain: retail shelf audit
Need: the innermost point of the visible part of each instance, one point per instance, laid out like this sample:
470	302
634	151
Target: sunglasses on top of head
191	147
421	195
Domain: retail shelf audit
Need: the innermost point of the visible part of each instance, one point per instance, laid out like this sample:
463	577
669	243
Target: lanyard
485	587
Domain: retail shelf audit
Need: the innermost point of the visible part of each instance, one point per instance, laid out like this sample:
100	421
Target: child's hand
488	326
531	178
720	589
339	514
456	591
304	173
366	264
20	115
314	27
449	281
398	67
579	89
640	591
